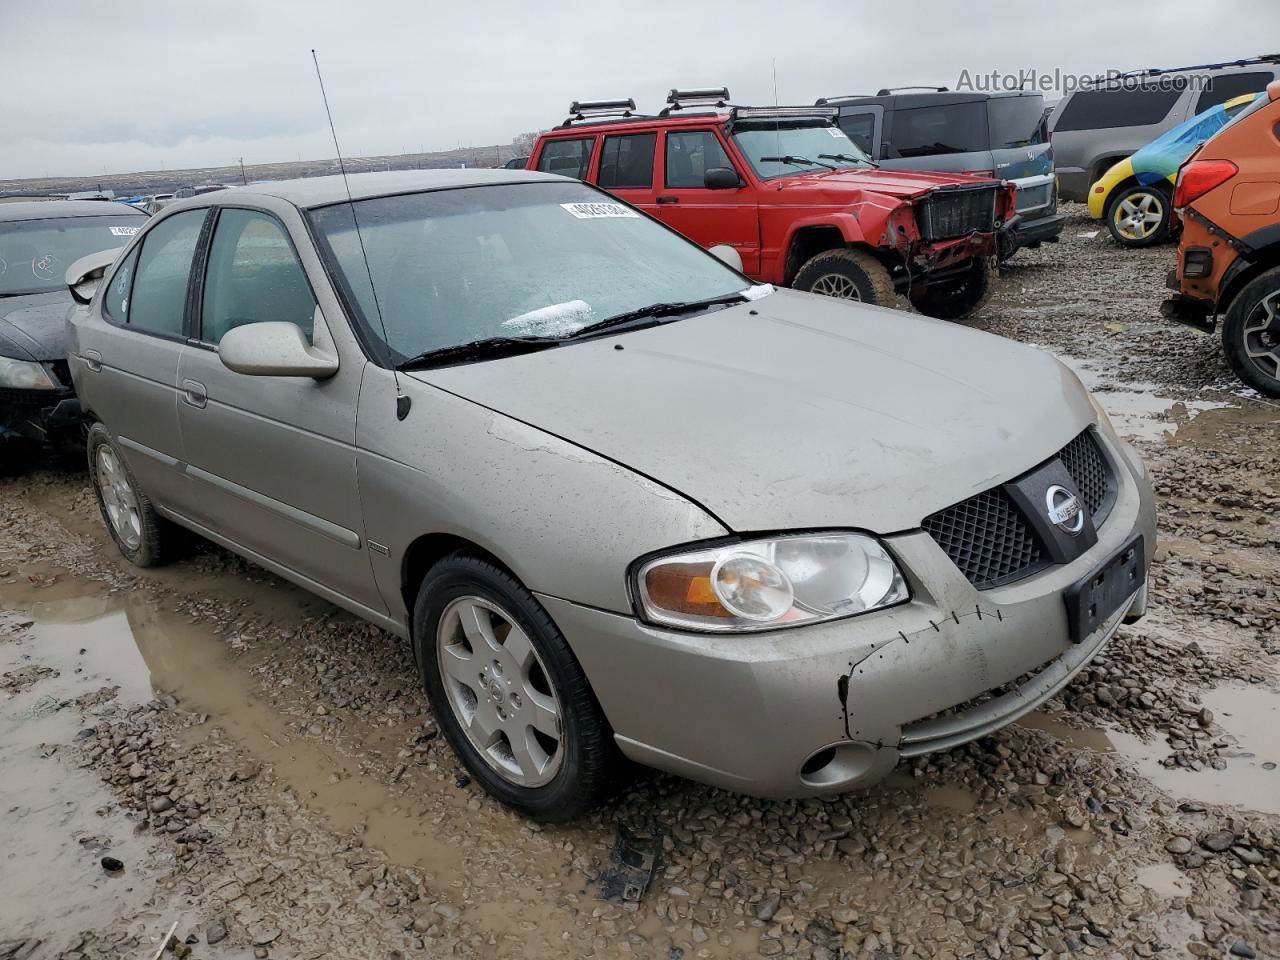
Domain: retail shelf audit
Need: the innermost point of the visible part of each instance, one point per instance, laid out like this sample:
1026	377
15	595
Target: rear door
625	167
1022	153
707	217
273	458
130	362
567	156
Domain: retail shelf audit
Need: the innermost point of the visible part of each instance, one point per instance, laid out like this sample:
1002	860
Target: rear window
569	158
1016	121
1103	109
940	129
1230	85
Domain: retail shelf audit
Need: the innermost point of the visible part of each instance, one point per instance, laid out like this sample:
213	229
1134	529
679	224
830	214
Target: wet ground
262	771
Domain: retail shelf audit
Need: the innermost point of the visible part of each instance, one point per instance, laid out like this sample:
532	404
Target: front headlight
783	581
24	375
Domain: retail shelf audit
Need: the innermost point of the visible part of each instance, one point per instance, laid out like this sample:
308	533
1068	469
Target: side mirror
85	274
726	255
721	178
274	348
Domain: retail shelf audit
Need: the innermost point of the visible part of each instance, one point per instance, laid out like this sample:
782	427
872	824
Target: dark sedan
38	241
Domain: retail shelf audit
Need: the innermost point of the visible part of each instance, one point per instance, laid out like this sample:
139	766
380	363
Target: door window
569	158
690	155
939	129
1230	85
253	275
159	298
861	129
627	162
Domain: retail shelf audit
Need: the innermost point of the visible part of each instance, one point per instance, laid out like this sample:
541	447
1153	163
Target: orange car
1228	194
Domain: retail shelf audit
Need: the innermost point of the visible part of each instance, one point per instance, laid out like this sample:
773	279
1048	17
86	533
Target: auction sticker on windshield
124	231
594	211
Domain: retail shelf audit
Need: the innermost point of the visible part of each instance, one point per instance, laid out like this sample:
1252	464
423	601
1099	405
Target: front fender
1100	192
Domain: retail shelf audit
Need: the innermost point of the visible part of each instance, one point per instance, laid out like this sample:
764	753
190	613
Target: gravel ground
206	749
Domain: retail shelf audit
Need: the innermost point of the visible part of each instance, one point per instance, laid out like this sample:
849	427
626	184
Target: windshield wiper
654	311
487	349
796	161
848	158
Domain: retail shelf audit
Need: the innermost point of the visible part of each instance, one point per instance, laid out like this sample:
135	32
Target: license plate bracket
1093	599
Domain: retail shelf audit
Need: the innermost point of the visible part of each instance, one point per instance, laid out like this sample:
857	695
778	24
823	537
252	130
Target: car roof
930	99
50	209
322	191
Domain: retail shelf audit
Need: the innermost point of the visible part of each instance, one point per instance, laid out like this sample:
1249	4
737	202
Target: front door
273	457
707	217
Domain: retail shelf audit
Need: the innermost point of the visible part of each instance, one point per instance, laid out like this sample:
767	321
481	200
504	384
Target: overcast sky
92	87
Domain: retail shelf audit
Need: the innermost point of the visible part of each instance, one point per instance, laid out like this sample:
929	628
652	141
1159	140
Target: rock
1218	840
215	932
1247	855
1178	845
160	804
1251	899
768	907
263	933
1242	949
770	948
112	865
447	910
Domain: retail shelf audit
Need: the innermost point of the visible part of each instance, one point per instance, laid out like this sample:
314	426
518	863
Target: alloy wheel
118	498
836	285
1138	215
1262	336
500	691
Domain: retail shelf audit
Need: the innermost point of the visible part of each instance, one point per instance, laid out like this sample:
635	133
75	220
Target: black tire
588	770
1251	333
155	539
957	297
1147	200
849	275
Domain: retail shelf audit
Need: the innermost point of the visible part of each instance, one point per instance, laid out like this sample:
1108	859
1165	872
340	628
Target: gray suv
1000	135
620	500
1096	128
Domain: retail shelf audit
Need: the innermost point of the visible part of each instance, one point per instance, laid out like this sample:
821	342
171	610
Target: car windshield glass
1015	121
808	144
35	254
453	267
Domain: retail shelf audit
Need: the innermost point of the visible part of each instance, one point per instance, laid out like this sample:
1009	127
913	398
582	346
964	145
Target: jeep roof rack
584	110
1244	62
717	97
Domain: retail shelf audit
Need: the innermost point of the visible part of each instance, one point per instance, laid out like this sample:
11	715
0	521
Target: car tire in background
847	275
144	537
1251	333
1139	216
957	297
494	664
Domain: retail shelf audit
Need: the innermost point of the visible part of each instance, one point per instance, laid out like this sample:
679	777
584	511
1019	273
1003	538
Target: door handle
668	199
194	393
93	361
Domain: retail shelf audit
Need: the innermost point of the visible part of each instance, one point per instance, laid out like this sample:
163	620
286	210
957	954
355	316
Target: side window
1222	88
569	158
159	296
944	128
692	154
115	302
861	129
1117	107
627	161
253	275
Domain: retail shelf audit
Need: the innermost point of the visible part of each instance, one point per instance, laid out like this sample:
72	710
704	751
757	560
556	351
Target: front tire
957	297
144	537
1251	333
508	692
1140	216
847	275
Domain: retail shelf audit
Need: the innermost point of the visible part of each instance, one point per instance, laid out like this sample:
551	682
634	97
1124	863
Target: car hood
903	184
797	411
34	327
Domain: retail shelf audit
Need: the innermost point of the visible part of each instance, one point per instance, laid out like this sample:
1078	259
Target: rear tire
847	274
956	298
144	537
508	692
1140	216
1251	333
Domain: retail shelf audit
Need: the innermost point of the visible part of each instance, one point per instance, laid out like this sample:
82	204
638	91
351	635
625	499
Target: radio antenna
403	402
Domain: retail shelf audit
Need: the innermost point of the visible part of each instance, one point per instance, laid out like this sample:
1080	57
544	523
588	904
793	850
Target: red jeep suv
797	200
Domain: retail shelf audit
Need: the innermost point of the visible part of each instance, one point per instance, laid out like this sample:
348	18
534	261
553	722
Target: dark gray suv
990	134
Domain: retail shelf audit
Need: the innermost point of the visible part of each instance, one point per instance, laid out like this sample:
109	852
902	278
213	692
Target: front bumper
39	415
832	707
1022	232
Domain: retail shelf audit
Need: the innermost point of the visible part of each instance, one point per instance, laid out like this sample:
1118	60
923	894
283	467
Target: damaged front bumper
39	415
834	706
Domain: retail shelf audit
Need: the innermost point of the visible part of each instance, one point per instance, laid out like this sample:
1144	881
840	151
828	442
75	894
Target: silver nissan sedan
622	501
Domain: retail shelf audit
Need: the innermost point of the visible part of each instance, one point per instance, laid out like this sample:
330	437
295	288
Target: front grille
986	537
956	212
32	398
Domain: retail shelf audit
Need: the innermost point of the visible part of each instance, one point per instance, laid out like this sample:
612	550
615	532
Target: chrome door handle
93	361
194	393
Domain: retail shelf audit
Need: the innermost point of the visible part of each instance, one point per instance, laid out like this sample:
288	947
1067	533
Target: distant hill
166	181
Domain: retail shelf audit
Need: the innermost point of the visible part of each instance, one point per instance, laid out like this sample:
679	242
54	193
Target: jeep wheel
1140	216
1251	333
847	275
957	297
